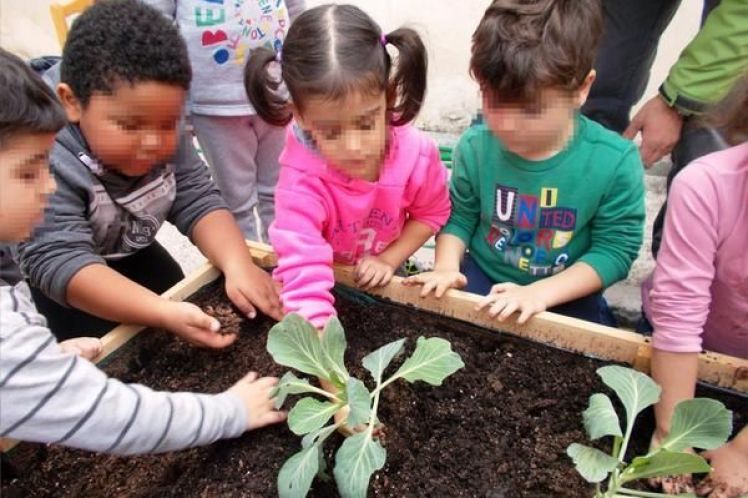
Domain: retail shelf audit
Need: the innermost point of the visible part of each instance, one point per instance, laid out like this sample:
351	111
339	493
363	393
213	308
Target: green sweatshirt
525	220
709	66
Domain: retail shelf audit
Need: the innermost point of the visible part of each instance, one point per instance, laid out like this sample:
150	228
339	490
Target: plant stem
375	407
384	384
644	494
325	393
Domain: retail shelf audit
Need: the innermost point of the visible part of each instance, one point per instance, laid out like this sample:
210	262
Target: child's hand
248	286
372	272
504	299
438	281
671	485
729	476
193	325
255	395
85	347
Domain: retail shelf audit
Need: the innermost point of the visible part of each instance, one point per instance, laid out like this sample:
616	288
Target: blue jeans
593	308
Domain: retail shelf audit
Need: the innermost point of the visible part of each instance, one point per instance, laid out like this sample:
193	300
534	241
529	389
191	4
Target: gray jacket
97	215
220	37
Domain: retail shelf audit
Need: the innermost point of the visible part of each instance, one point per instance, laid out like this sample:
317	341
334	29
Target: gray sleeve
295	7
52	397
196	195
63	244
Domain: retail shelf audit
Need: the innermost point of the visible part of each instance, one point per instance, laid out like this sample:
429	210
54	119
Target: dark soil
497	428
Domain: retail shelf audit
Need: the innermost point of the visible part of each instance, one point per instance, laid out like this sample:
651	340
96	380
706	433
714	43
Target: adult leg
631	33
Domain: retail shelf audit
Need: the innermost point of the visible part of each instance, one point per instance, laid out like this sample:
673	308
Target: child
122	169
698	298
52	396
549	205
241	148
357	184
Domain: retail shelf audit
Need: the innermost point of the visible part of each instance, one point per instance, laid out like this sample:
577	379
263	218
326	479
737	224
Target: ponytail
407	85
266	91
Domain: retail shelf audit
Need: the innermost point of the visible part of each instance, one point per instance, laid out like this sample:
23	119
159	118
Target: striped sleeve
52	397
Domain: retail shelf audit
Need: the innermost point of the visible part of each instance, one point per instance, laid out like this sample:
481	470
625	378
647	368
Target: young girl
357	184
698	297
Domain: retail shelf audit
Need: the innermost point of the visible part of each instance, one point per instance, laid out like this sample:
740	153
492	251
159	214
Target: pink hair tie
383	40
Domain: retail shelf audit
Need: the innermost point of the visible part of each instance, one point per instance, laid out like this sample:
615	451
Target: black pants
628	47
152	267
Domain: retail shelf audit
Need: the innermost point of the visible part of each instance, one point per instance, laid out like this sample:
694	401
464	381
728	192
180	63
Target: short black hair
122	41
27	104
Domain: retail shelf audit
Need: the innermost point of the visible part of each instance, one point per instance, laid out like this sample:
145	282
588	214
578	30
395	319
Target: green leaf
359	401
698	423
290	384
377	361
635	390
294	343
333	348
317	437
357	459
432	362
296	476
592	464
600	418
310	414
664	463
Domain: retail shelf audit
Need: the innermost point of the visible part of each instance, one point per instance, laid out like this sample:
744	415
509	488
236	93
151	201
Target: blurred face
132	130
540	129
350	133
25	184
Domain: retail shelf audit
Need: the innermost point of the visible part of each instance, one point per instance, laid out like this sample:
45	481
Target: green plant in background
696	423
295	343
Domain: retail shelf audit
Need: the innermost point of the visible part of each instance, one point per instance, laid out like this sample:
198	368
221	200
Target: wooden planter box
555	330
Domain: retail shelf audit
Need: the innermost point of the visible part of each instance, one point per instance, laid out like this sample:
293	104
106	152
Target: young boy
53	396
549	205
122	168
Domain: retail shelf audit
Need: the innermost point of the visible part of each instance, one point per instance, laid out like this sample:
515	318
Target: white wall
446	26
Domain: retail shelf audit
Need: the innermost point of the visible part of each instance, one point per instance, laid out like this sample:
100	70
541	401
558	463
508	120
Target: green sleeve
709	66
464	194
617	227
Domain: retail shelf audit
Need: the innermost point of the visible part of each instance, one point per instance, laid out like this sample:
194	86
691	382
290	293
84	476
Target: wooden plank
560	331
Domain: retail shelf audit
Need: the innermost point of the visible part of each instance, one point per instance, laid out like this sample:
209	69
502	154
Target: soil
497	428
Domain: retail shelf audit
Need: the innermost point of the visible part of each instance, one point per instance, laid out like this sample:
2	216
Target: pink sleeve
304	256
428	191
680	296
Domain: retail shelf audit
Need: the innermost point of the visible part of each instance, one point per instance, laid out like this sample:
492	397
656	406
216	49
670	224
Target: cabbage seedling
295	343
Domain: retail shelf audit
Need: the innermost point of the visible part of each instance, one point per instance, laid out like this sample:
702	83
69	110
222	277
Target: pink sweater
323	215
699	291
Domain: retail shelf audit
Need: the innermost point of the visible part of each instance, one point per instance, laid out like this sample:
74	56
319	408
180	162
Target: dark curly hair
27	104
122	41
523	46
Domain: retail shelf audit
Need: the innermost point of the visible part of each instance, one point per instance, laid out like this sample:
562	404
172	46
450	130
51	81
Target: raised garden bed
497	428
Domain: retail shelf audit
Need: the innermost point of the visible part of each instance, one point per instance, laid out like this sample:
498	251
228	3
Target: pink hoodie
323	215
698	297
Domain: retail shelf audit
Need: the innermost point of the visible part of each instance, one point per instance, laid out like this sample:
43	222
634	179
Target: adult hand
660	126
